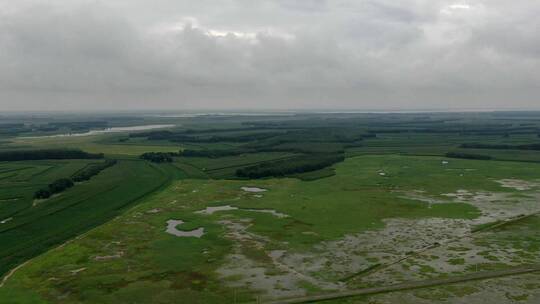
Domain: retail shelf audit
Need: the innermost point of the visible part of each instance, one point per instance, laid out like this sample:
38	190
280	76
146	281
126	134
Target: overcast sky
258	54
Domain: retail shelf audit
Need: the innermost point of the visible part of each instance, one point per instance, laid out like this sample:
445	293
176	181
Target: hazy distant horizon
189	113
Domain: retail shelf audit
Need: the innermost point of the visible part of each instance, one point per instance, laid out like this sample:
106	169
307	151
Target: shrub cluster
290	166
62	184
57	186
94	169
158	157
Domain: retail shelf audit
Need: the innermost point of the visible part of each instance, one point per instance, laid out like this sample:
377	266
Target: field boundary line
410	285
10	273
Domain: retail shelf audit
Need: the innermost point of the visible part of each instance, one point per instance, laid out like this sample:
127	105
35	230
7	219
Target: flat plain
450	199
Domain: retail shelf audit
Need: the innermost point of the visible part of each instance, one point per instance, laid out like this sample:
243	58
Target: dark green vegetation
338	174
55	187
467	156
502	146
415	134
299	164
64	183
158	157
91	170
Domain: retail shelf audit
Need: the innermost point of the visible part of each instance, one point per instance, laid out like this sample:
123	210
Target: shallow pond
253	189
171	229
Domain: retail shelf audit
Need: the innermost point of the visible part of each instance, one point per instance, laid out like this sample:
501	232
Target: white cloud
459	6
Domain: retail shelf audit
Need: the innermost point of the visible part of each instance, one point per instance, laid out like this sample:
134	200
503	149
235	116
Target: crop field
31	226
19	181
330	208
225	167
93	144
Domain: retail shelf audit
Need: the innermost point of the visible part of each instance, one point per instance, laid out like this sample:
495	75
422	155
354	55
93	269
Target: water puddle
212	210
153	211
171	229
517	184
269	211
253	189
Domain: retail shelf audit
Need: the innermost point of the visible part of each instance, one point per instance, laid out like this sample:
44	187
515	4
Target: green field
94	144
39	225
143	263
391	209
225	167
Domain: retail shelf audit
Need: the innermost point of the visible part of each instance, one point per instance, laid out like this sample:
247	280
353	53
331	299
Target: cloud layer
282	54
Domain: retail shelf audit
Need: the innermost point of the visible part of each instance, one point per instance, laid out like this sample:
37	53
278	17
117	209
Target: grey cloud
278	54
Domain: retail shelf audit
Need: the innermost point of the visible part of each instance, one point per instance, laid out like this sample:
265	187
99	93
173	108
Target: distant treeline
57	186
182	137
202	131
62	184
91	170
47	154
272	146
7	126
270	137
460	131
167	157
290	166
79	125
501	146
159	157
468	156
212	153
13	129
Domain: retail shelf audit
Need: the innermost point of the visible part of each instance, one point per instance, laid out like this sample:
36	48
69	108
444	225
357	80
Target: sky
280	54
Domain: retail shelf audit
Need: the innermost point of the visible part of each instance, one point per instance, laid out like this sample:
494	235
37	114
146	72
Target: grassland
395	211
133	259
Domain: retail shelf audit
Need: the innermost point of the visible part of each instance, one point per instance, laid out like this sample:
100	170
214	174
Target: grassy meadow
133	259
298	229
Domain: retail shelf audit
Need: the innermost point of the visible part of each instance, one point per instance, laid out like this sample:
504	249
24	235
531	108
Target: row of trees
212	153
19	155
63	184
290	166
468	156
57	186
501	146
215	138
158	157
94	169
